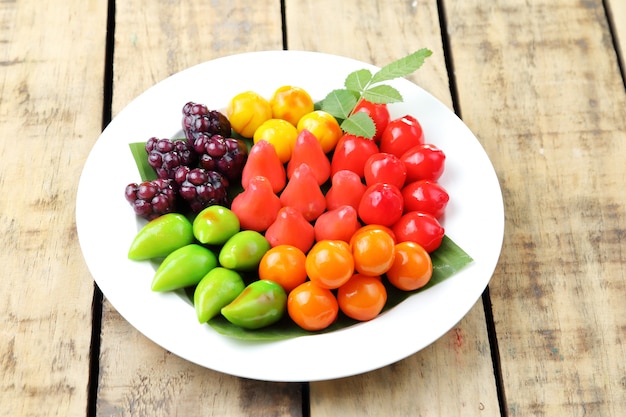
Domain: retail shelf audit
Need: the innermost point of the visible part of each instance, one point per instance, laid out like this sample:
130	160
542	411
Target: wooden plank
454	376
372	33
617	13
451	377
154	40
50	115
539	84
139	378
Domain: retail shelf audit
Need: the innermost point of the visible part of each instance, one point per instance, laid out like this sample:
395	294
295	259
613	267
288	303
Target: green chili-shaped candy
244	250
217	289
160	237
260	304
183	268
215	225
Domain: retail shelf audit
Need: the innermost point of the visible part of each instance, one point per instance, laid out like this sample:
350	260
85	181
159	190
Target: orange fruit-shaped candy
412	267
312	307
329	263
283	264
362	297
373	250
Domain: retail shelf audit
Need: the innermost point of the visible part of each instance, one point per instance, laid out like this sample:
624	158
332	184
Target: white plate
106	225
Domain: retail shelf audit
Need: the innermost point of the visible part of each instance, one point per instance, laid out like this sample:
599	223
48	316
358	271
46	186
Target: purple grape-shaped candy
197	118
225	155
151	199
166	155
201	188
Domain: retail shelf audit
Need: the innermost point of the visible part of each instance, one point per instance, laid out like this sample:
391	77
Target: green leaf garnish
138	150
402	67
383	94
339	103
358	80
359	124
362	84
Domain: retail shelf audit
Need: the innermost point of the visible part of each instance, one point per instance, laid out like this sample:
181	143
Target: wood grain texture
454	376
155	39
616	10
374	32
539	84
139	378
152	41
50	115
451	377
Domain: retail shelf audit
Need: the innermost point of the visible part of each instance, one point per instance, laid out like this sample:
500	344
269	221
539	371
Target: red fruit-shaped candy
378	112
337	224
424	162
291	228
385	167
308	150
257	206
421	228
263	161
425	196
303	193
346	189
351	153
381	204
400	135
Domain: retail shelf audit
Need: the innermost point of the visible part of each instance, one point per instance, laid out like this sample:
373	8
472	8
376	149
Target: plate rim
308	373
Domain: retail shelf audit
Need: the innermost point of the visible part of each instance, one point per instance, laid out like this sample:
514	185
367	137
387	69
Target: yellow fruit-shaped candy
247	111
281	134
291	103
323	126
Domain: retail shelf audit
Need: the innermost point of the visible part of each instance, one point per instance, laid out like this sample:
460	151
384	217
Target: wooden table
541	84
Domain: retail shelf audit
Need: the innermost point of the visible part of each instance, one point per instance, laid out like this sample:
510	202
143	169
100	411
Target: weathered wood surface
616	10
50	116
538	83
540	86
